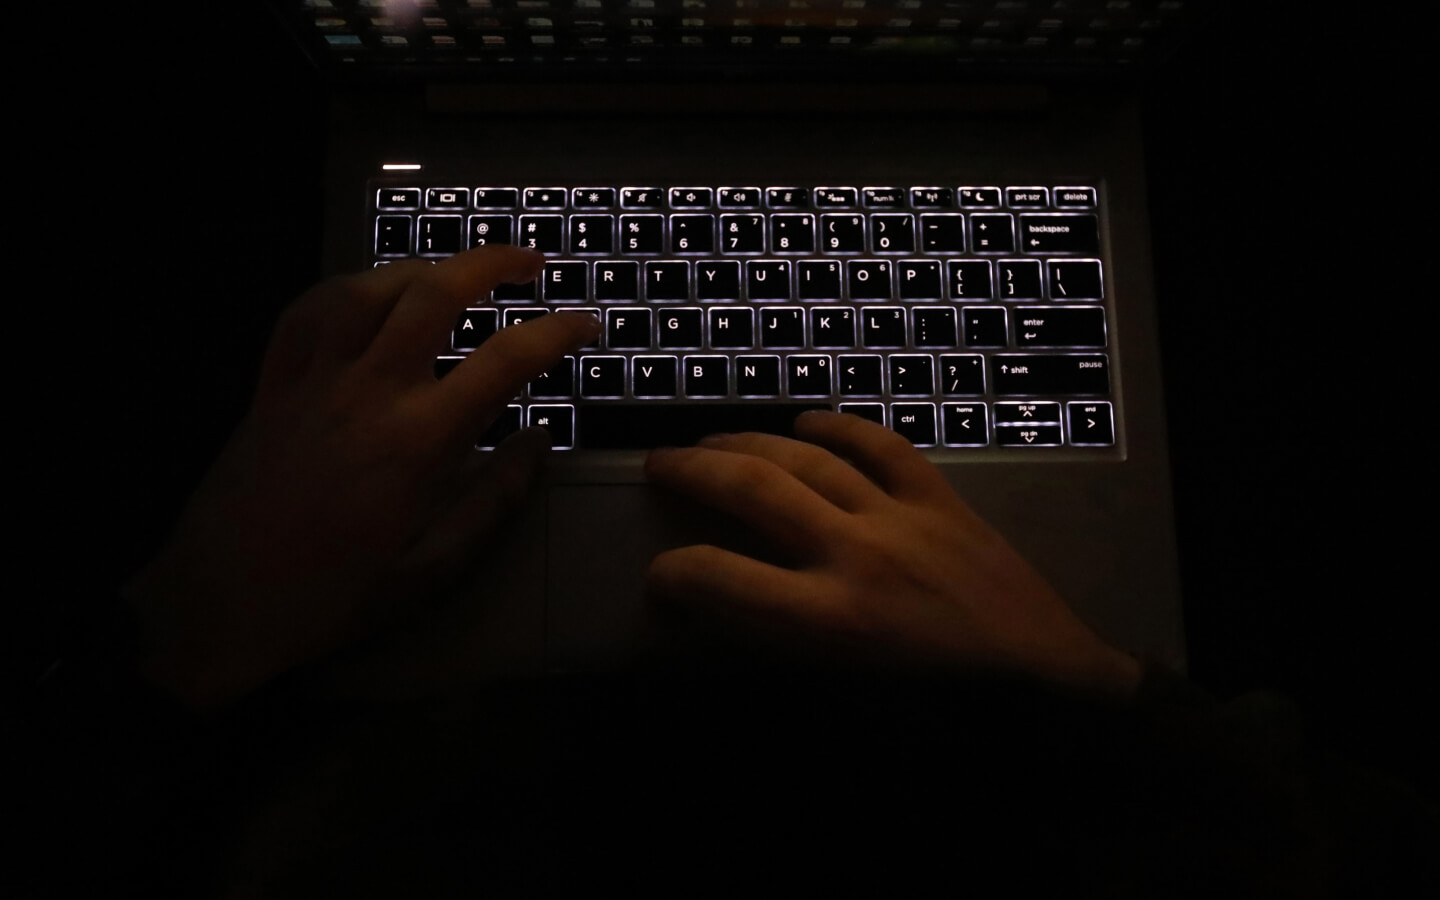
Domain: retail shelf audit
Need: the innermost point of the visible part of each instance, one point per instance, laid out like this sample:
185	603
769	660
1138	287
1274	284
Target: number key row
739	234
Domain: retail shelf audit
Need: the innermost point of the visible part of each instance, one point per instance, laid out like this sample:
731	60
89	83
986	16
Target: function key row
832	197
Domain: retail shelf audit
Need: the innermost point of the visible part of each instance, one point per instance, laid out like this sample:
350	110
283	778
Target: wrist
1117	675
1099	673
168	652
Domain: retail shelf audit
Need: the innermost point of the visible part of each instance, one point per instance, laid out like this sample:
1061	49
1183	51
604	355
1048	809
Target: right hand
886	554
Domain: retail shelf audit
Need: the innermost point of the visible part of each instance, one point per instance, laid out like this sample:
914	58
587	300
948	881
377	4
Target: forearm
127	782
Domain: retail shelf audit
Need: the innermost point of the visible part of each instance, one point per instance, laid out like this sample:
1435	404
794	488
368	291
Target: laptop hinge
736	98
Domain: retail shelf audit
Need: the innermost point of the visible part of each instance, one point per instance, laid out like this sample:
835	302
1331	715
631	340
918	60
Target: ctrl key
915	421
559	420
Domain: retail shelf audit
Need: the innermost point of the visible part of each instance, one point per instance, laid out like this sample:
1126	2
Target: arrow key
1028	436
1091	424
965	424
1028	414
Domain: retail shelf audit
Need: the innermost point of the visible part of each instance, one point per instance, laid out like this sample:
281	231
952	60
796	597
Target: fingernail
713	440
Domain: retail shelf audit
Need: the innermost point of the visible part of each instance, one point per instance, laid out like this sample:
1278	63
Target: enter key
1060	326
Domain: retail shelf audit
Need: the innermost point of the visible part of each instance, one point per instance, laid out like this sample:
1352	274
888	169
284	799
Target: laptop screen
499	40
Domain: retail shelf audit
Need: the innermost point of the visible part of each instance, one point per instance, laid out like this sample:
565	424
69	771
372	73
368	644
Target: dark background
193	152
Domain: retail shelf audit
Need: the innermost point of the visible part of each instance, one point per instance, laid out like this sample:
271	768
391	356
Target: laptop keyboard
965	317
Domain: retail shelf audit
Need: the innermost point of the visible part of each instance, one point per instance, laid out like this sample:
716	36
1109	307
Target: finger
471	395
290	352
416	328
756	491
348	311
487	494
371	296
711	576
335	319
816	468
888	458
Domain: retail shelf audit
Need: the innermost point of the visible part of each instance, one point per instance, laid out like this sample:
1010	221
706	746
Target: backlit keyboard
966	317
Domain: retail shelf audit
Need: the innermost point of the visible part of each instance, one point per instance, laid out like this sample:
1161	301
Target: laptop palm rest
601	540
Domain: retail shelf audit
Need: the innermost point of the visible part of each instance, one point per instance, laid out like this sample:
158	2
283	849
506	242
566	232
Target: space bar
678	425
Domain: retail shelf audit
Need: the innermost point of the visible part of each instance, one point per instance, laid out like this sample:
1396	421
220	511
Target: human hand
885	556
351	490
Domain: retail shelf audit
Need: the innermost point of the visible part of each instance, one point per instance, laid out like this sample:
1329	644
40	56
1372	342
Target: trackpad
601	541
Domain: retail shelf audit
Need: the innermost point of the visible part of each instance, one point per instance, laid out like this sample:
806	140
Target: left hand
351	491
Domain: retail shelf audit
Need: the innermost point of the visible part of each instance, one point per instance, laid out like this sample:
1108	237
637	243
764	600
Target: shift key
1037	374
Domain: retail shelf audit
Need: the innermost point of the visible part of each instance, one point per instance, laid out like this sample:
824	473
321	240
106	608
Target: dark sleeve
1251	796
125	787
1010	791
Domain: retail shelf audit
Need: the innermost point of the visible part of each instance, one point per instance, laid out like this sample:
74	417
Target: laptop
931	214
